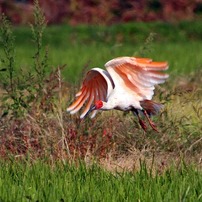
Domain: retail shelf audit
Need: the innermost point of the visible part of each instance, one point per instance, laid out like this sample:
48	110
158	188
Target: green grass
93	46
181	59
41	182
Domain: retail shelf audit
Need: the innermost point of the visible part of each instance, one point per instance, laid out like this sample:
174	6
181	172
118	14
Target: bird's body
127	85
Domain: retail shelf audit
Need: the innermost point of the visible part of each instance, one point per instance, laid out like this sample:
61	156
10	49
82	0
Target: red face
98	104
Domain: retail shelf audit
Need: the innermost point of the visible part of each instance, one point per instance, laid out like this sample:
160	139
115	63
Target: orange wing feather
138	75
94	88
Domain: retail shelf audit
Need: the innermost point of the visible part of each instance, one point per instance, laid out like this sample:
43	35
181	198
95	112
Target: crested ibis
127	85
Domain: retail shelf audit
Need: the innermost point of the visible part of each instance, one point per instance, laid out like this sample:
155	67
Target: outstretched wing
137	75
97	85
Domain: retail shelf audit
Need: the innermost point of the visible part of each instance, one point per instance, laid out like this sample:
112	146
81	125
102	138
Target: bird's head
98	105
102	105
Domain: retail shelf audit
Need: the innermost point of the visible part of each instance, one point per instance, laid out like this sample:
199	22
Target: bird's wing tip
82	116
68	109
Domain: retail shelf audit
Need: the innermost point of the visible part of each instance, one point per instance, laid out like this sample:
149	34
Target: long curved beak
89	111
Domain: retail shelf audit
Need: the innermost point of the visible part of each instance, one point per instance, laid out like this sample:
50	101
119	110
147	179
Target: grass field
94	46
41	182
54	135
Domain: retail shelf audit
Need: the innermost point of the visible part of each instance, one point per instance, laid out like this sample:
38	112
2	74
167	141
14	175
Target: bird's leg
151	123
141	122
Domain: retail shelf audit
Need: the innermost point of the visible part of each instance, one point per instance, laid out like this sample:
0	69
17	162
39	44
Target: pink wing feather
138	75
96	86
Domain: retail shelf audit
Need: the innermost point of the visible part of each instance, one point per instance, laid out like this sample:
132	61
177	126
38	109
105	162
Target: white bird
127	85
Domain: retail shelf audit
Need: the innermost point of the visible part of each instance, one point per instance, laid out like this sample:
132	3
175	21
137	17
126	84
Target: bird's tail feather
151	107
